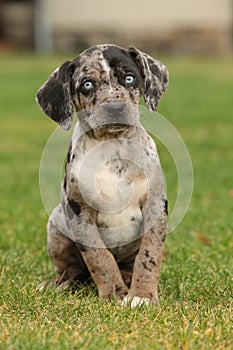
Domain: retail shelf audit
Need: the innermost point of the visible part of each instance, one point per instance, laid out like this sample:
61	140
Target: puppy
111	222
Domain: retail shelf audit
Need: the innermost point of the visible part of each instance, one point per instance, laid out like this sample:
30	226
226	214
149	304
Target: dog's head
104	84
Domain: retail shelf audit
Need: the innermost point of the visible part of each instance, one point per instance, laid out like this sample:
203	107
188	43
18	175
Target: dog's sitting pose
111	223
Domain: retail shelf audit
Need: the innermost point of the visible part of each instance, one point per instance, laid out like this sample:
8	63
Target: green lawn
196	277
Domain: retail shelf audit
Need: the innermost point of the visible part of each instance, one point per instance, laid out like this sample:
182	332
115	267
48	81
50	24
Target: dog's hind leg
69	264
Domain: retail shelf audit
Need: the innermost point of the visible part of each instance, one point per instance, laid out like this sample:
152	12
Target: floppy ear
54	96
155	76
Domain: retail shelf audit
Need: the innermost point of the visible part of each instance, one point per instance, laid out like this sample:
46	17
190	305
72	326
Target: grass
196	277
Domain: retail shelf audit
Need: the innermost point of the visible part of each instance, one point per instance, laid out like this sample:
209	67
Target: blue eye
129	79
88	85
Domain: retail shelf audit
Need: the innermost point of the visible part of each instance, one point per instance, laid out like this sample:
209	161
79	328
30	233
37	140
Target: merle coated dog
111	223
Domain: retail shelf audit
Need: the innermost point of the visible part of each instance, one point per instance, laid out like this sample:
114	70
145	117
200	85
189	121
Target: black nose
114	109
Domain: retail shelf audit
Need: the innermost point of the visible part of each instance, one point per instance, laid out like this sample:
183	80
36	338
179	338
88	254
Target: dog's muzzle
110	117
115	110
115	116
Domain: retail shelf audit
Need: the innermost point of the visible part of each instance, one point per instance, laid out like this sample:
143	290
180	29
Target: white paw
135	301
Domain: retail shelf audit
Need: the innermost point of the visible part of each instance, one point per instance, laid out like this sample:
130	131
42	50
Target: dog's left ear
155	77
54	97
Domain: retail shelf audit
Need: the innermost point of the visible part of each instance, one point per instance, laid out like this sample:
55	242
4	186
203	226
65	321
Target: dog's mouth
113	127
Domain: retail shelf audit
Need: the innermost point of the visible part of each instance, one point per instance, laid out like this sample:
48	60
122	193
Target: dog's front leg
146	271
104	271
98	259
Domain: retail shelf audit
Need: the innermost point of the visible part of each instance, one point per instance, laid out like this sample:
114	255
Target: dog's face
104	84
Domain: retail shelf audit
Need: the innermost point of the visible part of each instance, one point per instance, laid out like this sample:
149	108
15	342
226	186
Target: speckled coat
111	223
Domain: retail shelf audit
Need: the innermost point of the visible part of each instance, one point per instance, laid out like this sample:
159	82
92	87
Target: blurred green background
196	276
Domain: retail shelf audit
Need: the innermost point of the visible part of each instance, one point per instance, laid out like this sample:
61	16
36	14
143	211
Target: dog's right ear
54	97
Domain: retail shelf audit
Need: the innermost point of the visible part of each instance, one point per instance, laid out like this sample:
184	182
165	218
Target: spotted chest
112	185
